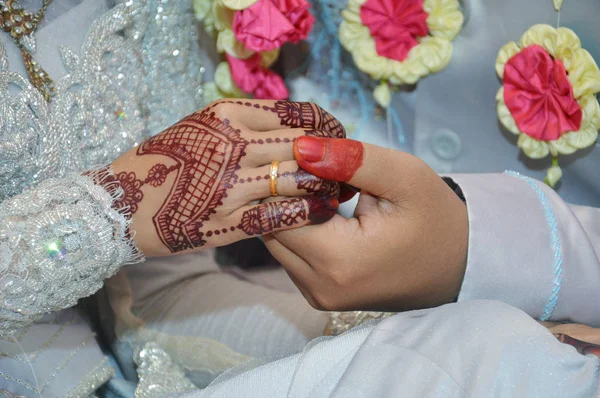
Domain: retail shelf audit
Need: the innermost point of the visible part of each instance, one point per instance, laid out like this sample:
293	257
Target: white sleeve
530	249
59	241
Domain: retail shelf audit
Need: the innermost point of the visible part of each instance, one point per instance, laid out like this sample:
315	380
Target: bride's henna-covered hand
405	247
198	184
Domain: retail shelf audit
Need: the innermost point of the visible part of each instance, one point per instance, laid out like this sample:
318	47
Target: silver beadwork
159	375
61	239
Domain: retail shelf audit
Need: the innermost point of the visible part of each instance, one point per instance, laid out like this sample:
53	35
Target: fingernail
311	149
322	209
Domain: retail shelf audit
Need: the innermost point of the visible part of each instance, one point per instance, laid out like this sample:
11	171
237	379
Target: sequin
159	375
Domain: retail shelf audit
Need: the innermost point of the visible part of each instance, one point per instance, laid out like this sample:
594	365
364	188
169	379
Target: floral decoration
157	175
548	94
132	191
399	41
250	33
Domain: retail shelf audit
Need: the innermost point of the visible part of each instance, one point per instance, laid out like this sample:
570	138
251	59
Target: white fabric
200	304
469	349
511	256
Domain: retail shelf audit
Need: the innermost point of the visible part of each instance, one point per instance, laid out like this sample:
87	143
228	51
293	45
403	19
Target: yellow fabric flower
237	4
226	42
583	74
203	9
223	86
431	54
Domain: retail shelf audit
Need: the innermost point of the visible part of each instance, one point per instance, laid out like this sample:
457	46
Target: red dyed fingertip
329	158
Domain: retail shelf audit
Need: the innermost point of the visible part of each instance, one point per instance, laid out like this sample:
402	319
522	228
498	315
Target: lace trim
340	322
92	381
58	243
159	375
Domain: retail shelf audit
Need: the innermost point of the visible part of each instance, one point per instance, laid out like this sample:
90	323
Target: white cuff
527	249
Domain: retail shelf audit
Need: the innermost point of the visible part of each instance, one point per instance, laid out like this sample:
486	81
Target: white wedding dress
177	323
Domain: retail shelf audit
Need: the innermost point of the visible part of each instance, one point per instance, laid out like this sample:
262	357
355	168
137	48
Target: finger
291	181
316	244
265	115
346	192
264	147
367	167
266	218
298	269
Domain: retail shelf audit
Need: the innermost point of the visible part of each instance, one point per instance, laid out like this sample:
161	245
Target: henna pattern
131	186
132	193
315	185
158	174
208	152
269	217
271	140
309	116
296	115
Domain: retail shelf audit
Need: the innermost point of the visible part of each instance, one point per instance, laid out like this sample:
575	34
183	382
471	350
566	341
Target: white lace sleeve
58	242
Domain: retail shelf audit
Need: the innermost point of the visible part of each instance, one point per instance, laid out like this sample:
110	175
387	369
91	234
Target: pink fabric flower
252	78
395	25
539	95
268	24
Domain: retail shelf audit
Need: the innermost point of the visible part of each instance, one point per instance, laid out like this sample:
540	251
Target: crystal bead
28	25
8	23
17	18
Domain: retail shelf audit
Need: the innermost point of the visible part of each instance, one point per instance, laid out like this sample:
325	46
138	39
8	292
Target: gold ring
273	174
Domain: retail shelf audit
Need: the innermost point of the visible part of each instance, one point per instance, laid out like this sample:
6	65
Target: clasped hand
199	183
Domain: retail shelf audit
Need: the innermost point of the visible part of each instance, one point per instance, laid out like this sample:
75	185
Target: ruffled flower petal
202	8
584	74
237	4
590	109
223	16
508	51
581	139
541	35
504	115
533	148
352	34
434	53
224	82
211	93
566	45
226	42
445	19
251	77
395	26
268	24
561	146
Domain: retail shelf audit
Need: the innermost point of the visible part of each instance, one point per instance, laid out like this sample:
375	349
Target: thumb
368	167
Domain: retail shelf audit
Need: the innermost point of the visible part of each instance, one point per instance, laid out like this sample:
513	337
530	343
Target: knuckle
341	278
324	301
220	107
